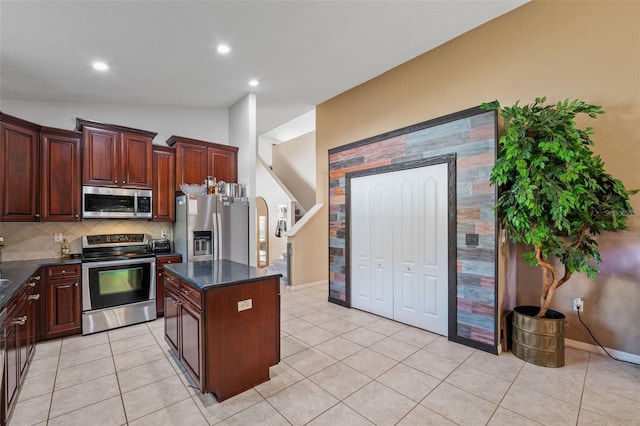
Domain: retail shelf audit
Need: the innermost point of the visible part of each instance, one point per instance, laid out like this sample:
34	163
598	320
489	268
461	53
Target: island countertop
218	273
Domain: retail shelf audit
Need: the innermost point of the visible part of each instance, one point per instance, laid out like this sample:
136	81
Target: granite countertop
215	273
19	271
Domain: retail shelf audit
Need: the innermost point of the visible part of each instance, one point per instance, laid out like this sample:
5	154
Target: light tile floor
339	367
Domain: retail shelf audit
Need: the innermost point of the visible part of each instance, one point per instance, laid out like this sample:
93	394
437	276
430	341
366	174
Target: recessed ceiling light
100	66
224	49
254	83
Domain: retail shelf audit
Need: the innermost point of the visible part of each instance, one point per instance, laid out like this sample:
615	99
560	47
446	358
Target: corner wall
296	168
586	50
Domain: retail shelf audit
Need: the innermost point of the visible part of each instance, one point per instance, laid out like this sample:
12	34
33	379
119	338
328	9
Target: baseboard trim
624	356
305	285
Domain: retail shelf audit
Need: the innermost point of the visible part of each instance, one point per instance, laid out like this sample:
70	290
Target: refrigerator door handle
216	248
219	235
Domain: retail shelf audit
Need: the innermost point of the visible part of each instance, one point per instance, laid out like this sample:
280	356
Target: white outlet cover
57	237
243	305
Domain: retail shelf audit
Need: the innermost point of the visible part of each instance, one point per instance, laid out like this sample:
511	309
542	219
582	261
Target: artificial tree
554	193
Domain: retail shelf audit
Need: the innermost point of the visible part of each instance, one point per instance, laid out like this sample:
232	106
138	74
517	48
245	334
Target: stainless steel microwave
115	203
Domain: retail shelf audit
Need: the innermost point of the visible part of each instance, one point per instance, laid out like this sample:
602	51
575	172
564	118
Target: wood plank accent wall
472	136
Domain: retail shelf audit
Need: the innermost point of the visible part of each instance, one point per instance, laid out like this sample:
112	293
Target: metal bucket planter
539	341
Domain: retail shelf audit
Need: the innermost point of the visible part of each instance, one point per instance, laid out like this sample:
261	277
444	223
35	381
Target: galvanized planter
539	341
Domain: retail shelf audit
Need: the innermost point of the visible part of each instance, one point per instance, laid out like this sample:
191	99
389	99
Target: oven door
114	283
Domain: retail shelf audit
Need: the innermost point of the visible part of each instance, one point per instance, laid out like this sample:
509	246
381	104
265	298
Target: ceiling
164	52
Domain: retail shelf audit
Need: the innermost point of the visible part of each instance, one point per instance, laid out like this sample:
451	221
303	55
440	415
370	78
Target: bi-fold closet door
399	246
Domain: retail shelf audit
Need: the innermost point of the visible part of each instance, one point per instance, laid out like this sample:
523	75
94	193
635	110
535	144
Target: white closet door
371	251
420	248
399	246
381	249
360	238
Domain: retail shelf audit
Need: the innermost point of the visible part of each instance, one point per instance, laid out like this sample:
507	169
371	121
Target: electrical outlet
243	305
163	234
57	237
578	304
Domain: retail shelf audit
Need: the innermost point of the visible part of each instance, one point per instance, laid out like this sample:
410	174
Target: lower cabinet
20	339
63	304
162	260
183	325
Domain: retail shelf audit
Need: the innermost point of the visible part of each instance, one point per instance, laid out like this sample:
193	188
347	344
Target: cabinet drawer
191	295
63	271
171	282
161	261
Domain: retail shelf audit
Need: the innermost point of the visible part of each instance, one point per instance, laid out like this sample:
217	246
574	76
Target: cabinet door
19	170
33	296
12	361
171	316
63	305
160	262
164	180
223	165
135	165
191	164
60	199
191	351
23	329
101	157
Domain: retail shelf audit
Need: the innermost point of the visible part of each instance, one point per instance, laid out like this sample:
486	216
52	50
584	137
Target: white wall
272	192
209	124
294	162
242	133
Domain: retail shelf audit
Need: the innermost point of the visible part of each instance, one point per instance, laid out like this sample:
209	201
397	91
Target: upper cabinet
164	181
196	159
116	156
60	198
19	168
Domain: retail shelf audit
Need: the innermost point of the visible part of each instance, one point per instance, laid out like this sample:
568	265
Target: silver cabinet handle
36	278
21	320
34	297
76	284
31	284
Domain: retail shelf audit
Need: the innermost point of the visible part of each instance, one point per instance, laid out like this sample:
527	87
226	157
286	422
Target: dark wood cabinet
164	184
60	184
136	161
63	304
223	164
184	329
33	297
19	170
226	336
196	159
160	262
20	339
171	314
12	357
115	156
100	157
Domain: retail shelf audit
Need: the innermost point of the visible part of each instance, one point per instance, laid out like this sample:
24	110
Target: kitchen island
222	320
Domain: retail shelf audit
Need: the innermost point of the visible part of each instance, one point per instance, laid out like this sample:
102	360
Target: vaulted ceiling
164	52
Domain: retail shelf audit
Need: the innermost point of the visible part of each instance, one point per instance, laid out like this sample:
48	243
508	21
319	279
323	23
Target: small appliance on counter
161	245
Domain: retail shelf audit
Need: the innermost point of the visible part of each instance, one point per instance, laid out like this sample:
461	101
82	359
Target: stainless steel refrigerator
209	227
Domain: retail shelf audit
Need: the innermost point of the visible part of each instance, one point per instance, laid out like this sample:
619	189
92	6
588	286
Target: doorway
262	234
399	245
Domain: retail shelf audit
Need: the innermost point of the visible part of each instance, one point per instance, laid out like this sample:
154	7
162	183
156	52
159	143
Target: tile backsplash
34	240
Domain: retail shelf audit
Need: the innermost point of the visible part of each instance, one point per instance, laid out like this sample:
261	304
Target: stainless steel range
118	281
